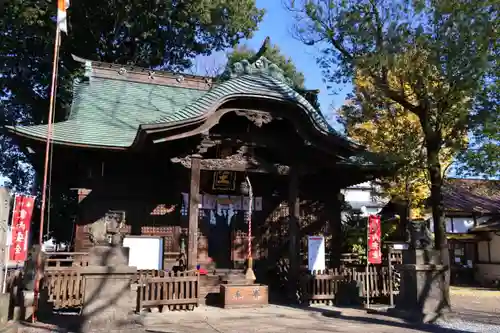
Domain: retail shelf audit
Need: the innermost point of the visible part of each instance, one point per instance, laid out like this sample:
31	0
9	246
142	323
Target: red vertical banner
21	222
374	240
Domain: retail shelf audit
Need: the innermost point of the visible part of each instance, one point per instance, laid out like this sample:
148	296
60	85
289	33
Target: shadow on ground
378	319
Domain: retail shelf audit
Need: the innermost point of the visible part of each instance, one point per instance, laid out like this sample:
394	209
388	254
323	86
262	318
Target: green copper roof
108	112
251	86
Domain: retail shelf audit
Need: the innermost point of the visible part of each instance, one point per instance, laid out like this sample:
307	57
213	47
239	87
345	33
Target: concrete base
421	296
4	308
9	327
107	300
108	256
23	309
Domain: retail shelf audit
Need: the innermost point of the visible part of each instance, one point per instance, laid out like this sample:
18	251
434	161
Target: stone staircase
210	285
209	289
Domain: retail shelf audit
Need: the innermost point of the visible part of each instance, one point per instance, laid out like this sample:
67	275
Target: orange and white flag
62	18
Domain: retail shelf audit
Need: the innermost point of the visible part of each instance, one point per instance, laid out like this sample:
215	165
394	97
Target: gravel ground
474	311
449	326
468	326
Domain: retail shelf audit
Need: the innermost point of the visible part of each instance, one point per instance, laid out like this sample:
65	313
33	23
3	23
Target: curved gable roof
259	86
108	111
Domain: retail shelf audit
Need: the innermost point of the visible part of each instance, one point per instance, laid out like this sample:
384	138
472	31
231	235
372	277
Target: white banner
316	253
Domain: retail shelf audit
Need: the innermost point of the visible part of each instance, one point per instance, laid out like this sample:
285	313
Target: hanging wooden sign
224	180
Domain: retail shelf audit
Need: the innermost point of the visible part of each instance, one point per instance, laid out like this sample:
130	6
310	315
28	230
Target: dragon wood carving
259	118
240	161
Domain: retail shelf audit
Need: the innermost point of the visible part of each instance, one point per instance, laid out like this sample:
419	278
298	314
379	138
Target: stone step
206	290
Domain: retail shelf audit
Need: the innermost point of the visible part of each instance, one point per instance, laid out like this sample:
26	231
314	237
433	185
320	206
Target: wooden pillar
293	228
81	241
335	217
194	201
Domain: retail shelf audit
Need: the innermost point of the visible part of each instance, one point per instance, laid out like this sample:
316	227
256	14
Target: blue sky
277	24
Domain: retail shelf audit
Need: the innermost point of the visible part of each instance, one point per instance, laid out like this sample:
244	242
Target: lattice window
184	210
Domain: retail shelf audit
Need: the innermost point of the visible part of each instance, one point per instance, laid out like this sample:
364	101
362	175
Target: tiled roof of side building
472	195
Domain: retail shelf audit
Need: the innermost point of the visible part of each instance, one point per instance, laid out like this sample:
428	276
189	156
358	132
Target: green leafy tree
483	154
164	35
382	125
442	50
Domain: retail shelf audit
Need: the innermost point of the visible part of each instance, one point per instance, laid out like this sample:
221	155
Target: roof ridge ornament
262	66
257	65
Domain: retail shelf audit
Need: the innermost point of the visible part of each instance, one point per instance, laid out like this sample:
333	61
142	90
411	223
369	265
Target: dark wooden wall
148	190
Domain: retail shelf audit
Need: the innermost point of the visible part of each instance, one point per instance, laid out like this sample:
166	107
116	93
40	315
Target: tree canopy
434	59
384	126
162	35
483	154
444	51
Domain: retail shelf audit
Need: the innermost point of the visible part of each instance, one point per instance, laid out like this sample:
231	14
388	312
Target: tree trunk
433	145
434	169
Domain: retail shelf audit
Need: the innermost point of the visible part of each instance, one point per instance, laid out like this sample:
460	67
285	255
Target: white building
362	199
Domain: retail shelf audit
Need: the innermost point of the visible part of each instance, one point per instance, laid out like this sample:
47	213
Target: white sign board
400	246
316	253
144	252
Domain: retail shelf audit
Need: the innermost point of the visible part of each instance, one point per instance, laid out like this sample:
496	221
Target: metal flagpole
53	89
389	260
367	263
49	132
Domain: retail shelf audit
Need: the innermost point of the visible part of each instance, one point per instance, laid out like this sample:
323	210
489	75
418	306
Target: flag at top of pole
62	17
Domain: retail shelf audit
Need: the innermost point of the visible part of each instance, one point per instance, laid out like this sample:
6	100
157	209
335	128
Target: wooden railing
325	286
177	291
64	287
376	279
66	259
143	274
62	280
320	286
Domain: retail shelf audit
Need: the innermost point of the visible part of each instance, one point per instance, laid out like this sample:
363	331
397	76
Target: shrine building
170	154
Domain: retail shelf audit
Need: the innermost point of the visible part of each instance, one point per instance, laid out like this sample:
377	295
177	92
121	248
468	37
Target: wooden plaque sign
224	180
244	296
